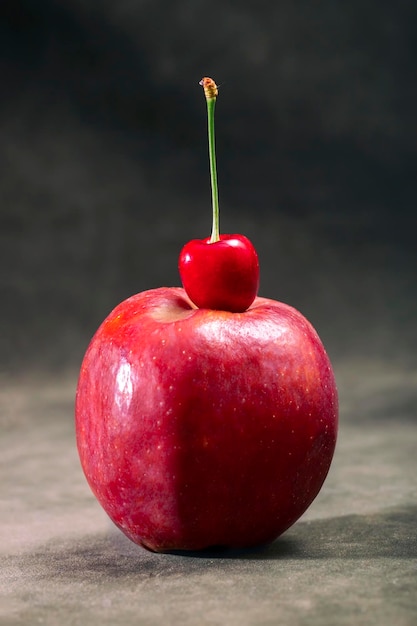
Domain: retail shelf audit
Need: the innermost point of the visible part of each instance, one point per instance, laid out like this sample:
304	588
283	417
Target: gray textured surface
352	559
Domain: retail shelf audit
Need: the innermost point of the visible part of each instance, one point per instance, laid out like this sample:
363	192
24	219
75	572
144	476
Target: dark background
104	171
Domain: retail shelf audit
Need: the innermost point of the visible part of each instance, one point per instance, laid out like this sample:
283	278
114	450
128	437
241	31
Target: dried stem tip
210	88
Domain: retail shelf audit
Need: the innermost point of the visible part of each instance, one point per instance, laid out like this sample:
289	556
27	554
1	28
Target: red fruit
200	428
223	275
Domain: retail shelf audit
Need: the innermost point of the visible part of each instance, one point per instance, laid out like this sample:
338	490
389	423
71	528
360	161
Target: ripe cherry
222	275
221	271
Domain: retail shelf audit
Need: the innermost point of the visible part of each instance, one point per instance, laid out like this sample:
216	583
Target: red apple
200	428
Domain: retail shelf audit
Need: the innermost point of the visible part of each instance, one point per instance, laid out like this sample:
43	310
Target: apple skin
199	428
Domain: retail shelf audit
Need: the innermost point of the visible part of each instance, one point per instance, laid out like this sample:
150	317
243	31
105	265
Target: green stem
215	232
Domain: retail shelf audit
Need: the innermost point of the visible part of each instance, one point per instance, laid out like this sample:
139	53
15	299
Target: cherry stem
210	91
215	231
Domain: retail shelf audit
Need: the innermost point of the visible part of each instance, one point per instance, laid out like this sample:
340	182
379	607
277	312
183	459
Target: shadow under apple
112	557
391	534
